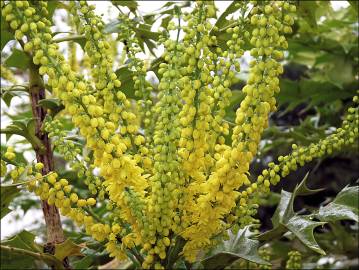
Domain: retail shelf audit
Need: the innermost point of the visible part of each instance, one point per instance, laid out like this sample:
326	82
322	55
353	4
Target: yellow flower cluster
7	74
205	91
232	165
9	154
71	150
89	113
58	192
3	168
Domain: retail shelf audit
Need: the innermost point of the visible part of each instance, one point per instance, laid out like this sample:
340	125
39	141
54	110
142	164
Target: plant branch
55	233
48	259
69	38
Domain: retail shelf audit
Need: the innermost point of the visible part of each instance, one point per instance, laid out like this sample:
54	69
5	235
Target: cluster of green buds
142	88
71	150
294	260
167	176
264	252
346	135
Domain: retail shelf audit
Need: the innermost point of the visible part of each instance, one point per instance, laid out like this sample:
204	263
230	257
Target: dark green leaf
18	59
24	240
166	21
302	227
7	195
175	251
310	92
167	9
220	260
307	9
284	209
355	5
239	246
144	31
344	206
127	86
112	27
132	5
233	7
84	263
79	39
53	104
9	94
5	34
25	128
51	7
155	66
285	218
302	188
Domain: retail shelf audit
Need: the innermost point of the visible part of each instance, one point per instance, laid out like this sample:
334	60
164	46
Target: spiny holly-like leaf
175	250
68	248
240	246
344	206
220	260
24	240
50	103
354	5
85	263
284	209
142	30
302	227
112	27
285	219
302	188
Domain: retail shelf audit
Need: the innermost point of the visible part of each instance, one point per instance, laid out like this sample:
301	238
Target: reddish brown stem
55	233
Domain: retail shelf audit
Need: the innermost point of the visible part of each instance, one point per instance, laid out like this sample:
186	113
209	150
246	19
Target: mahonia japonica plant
163	167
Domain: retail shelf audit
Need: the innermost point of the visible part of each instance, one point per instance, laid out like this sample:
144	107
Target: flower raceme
166	172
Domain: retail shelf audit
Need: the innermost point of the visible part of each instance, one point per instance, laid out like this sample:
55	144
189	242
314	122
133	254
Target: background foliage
320	78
